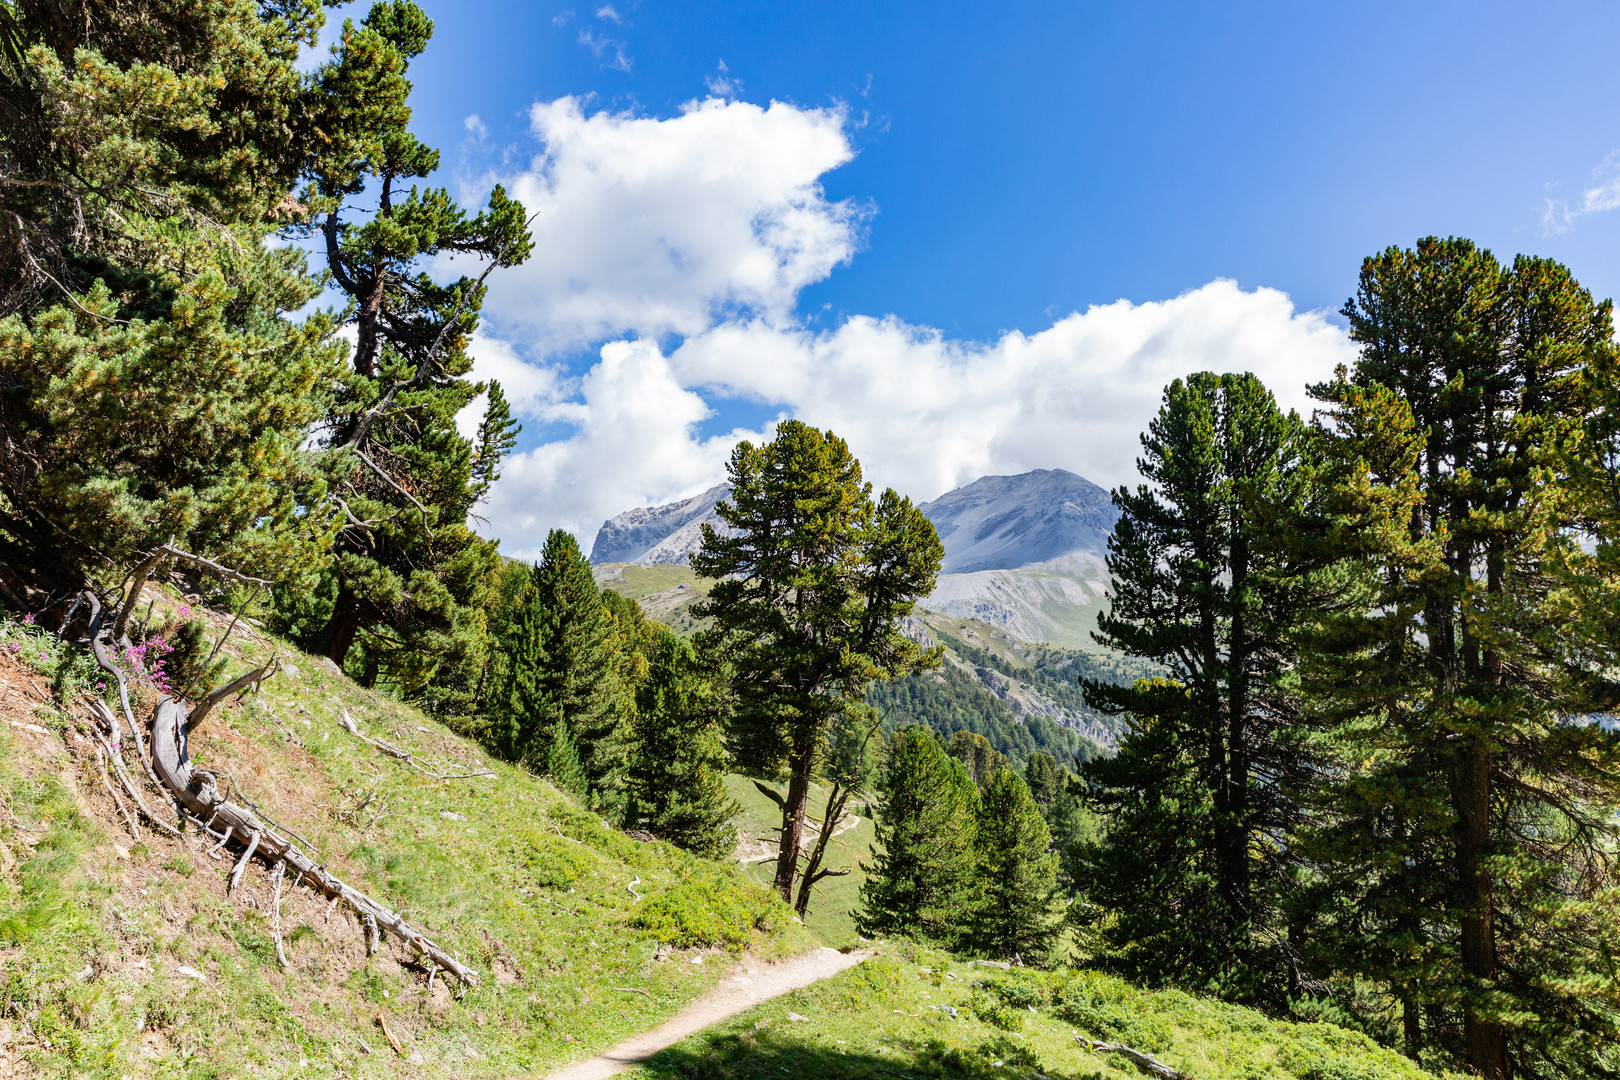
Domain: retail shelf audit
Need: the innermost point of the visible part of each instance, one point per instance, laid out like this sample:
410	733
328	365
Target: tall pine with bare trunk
811	579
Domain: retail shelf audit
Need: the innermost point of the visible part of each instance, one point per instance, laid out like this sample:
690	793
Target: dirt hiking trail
746	986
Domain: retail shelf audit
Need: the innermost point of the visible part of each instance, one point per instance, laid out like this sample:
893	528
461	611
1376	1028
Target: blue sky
1002	168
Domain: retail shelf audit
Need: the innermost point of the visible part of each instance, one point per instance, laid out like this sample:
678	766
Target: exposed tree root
198	793
194	793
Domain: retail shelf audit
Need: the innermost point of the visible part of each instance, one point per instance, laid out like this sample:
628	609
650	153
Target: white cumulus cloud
706	226
634	443
663	226
926	413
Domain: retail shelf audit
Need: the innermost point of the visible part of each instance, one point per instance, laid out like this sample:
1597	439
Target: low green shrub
1111	1010
709	907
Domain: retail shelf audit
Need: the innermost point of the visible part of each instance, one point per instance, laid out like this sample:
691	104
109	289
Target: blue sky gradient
1017	163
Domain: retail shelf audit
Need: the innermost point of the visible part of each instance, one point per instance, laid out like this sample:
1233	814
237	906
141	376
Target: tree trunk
337	636
793	815
1411	1026
1231	834
1485	1041
837	798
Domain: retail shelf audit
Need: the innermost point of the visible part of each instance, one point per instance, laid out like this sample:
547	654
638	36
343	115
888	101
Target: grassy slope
833	901
524	885
889	1018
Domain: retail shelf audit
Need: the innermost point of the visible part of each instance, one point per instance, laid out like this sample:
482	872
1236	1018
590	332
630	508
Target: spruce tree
922	881
1019	917
1195	872
562	760
1470	838
563	666
811	581
1044	778
675	778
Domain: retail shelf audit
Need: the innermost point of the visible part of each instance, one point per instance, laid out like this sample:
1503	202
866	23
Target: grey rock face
658	534
1005	522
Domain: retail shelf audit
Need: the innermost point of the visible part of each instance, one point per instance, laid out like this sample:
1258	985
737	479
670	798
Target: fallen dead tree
194	797
1146	1062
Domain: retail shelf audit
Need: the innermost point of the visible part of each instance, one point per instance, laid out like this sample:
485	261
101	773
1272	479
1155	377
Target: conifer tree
562	760
1044	778
410	580
675	779
922	881
1018	917
153	390
1207	778
1470	843
563	666
811	581
975	752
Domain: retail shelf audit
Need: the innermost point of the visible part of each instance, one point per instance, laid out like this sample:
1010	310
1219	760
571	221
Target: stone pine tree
1207	777
1472	837
563	675
923	878
1019	916
409	580
675	778
154	390
811	580
975	752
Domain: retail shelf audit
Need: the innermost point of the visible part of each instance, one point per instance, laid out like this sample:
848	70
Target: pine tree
1019	917
562	760
1207	780
563	665
975	752
922	881
410	580
154	389
1470	841
675	779
811	581
1044	778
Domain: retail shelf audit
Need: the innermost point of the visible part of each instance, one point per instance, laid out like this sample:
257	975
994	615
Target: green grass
505	872
834	900
911	1012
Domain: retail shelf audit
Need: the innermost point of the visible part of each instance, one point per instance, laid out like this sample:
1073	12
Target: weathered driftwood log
199	795
1146	1062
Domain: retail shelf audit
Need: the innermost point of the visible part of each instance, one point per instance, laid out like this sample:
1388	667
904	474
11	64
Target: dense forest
1359	661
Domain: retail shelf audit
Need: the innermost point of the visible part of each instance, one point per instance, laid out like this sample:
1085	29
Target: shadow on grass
765	1054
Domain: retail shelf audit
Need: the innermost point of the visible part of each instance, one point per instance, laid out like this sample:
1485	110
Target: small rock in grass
451	815
797	1019
190	973
290	669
